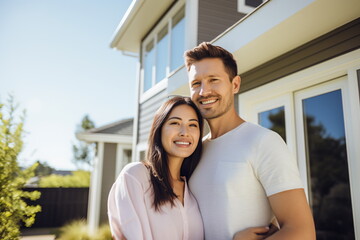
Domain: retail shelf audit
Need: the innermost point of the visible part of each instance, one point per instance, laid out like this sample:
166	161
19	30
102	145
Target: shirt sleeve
275	166
127	211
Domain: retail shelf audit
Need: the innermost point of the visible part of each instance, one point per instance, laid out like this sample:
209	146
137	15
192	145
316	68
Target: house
300	67
113	152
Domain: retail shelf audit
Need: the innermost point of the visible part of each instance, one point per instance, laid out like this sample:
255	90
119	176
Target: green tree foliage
83	152
77	179
13	208
43	169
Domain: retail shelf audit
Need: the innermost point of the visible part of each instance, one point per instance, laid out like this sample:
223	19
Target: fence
59	206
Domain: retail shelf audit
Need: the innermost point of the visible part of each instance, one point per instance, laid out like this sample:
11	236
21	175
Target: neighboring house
300	67
113	152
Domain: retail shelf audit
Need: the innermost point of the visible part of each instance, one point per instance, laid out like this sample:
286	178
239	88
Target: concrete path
38	237
37	234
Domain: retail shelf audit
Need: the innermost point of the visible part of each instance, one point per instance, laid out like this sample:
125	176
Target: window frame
321	75
157	87
243	8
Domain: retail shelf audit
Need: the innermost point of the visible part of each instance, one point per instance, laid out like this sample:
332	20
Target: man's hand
253	233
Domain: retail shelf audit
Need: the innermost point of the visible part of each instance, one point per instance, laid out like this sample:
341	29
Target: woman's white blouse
132	215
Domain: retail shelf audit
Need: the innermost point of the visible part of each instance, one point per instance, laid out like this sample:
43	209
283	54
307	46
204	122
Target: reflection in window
148	65
162	50
274	119
177	40
327	159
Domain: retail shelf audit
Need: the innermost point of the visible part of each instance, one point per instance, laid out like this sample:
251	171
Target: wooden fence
59	206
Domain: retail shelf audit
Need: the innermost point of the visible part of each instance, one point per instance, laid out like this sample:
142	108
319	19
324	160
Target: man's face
210	87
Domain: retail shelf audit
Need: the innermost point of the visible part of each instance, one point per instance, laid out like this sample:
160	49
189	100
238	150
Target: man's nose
204	90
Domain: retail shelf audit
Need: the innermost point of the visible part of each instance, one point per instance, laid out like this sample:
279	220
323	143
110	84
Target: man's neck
225	123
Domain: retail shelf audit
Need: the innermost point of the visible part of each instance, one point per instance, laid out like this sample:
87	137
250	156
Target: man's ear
236	84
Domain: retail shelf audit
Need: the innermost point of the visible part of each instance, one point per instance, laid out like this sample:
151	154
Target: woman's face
180	132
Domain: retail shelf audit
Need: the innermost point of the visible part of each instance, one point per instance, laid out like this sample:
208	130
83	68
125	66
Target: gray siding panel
146	115
335	43
215	16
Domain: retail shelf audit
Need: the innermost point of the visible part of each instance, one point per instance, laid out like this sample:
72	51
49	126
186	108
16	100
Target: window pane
327	159
274	119
177	40
148	65
162	53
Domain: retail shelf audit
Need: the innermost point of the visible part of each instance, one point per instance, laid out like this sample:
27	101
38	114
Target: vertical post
95	190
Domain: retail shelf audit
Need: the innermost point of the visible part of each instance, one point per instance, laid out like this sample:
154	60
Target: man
246	174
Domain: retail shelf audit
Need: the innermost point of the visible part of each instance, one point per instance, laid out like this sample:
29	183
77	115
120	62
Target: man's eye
195	84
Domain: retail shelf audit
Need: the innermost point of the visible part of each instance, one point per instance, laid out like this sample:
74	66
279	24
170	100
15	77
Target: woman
151	199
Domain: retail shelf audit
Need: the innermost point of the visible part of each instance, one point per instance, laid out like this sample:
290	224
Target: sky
56	60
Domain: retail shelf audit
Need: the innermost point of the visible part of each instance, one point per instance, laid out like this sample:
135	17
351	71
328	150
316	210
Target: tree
13	208
43	169
83	152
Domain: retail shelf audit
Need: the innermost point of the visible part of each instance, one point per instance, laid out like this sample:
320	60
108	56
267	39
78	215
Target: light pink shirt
132	215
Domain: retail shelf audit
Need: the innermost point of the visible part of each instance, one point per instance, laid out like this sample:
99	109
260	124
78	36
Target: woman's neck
174	168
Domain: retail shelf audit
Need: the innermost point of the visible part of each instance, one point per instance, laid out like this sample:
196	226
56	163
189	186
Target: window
247	6
163	49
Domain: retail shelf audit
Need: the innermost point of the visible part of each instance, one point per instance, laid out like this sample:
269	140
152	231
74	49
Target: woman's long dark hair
157	160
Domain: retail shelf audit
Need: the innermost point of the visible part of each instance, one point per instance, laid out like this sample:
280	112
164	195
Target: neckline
208	136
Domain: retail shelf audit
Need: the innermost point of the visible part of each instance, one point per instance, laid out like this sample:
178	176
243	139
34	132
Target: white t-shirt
236	174
131	212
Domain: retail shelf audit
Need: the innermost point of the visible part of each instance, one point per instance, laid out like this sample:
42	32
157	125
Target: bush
77	179
13	208
78	230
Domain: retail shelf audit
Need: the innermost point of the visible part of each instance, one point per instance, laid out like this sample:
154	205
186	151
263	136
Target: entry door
323	156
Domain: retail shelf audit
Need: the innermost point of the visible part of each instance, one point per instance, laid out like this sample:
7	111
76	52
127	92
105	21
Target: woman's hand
252	233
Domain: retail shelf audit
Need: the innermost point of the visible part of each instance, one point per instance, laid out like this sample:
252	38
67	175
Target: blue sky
56	61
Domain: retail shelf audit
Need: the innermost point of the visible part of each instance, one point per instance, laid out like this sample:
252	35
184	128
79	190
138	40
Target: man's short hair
207	50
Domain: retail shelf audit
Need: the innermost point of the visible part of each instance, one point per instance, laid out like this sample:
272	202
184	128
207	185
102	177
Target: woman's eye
193	125
174	123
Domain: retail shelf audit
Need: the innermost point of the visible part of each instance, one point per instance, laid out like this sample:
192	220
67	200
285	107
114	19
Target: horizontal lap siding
215	16
146	115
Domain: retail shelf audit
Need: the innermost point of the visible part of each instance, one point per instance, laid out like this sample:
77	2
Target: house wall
108	176
358	80
339	41
215	16
147	110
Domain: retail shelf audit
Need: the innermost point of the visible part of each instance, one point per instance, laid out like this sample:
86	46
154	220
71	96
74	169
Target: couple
245	176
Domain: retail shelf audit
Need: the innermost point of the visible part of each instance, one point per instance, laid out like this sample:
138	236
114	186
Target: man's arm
294	216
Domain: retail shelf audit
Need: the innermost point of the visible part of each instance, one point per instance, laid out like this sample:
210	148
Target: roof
122	127
117	132
140	17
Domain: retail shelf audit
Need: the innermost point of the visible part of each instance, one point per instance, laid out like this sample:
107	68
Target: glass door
322	154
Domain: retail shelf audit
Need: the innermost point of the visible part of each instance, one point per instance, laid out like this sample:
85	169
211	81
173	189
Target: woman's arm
127	211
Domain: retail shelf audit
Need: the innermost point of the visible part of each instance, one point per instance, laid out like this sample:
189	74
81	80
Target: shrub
13	208
78	230
77	179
